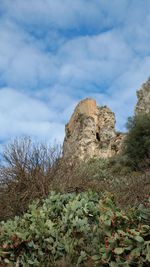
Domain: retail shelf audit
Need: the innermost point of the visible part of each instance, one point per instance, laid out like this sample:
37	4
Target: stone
143	95
91	132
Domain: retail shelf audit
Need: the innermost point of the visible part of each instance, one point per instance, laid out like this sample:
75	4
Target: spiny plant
79	229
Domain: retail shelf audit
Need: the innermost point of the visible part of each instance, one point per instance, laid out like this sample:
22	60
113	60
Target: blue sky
53	53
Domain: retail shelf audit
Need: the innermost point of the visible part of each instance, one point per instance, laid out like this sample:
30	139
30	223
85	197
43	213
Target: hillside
88	205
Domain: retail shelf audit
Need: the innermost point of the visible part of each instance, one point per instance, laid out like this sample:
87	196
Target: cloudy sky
53	53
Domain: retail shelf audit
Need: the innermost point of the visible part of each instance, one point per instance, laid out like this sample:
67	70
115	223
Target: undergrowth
84	229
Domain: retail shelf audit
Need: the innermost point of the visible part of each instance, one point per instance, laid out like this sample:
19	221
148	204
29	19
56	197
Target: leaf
139	238
148	257
113	264
107	222
6	260
30	262
135	252
145	227
118	250
31	244
148	254
82	257
95	257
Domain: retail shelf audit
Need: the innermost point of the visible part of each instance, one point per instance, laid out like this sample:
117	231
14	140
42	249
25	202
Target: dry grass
129	189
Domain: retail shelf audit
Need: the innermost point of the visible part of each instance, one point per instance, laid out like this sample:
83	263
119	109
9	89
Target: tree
137	142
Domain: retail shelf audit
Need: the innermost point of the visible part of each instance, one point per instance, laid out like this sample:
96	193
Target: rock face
143	95
91	132
91	129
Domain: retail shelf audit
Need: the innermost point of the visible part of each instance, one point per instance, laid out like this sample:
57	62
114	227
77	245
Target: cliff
91	132
143	95
91	129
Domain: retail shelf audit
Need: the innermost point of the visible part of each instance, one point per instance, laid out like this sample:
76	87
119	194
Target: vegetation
83	229
25	181
72	226
137	143
26	172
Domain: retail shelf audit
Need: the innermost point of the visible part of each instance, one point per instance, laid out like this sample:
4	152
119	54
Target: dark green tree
137	142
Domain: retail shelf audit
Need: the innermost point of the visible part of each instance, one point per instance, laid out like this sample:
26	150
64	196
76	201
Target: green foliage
137	143
119	165
145	212
84	228
95	168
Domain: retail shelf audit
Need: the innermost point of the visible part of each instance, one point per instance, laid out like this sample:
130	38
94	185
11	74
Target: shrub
27	171
79	229
137	142
94	168
31	170
120	165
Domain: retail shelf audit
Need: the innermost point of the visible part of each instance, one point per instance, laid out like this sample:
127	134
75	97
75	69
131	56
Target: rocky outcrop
91	132
143	95
91	129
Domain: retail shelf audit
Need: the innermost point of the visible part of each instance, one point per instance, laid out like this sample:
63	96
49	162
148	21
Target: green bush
95	168
137	142
83	229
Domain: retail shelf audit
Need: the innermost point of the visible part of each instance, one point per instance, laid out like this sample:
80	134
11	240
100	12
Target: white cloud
22	64
53	53
22	115
93	59
66	14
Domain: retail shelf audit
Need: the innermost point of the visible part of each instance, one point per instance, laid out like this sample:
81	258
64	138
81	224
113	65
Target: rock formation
91	132
143	95
91	129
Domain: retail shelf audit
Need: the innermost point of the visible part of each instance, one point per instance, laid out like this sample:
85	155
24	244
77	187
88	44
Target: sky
53	53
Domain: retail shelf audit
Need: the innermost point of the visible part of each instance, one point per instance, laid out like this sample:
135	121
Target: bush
120	165
94	168
85	229
137	142
31	170
27	171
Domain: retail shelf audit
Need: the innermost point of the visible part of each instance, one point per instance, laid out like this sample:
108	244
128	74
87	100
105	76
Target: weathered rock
143	95
91	132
